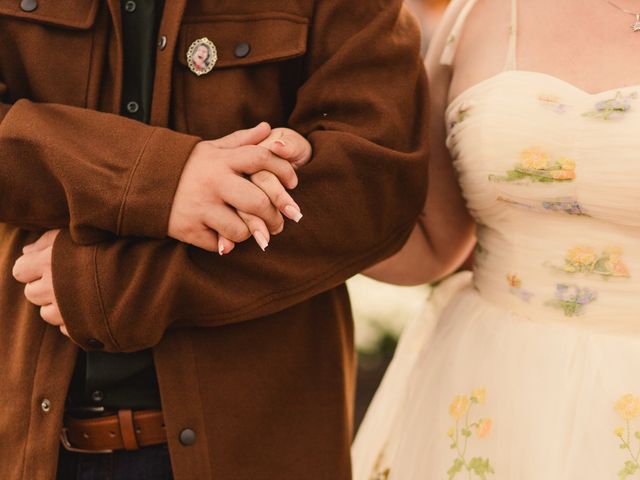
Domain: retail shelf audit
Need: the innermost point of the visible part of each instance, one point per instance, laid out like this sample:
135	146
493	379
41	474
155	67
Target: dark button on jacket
187	437
242	49
28	5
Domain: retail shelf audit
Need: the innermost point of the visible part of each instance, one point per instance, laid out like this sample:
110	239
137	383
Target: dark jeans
149	463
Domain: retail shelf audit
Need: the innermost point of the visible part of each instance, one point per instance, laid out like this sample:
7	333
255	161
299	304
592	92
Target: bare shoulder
483	44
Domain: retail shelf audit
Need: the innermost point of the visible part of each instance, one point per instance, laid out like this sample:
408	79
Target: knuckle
281	198
263	204
28	291
17	270
260	177
237	232
263	155
278	226
45	313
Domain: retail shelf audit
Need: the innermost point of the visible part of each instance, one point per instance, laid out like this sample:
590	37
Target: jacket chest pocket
255	78
45	54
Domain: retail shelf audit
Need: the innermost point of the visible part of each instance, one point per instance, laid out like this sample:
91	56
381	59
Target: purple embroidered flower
568	205
612	108
572	299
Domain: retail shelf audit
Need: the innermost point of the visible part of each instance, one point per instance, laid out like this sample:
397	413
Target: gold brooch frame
211	61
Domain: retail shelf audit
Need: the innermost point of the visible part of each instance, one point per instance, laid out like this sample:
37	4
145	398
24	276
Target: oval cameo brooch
202	56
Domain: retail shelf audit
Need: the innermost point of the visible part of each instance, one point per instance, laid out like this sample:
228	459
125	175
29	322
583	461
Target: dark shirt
126	380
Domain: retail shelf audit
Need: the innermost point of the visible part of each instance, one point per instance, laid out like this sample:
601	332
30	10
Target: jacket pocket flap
63	13
266	37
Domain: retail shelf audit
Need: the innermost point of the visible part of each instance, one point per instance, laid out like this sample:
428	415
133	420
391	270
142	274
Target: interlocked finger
226	222
251	159
246	197
277	194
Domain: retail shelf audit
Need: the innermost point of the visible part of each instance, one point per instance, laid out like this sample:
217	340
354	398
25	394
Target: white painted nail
293	213
262	241
220	247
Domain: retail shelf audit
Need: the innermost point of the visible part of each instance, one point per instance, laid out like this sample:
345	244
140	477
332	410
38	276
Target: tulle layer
477	389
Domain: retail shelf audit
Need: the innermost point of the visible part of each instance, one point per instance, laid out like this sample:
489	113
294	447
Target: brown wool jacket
253	351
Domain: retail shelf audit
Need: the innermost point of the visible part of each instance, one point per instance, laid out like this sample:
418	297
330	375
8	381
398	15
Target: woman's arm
444	235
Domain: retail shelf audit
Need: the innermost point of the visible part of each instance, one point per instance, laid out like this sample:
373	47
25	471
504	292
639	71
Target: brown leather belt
124	430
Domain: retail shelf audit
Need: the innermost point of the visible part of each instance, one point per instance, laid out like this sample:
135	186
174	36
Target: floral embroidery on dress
612	108
460	114
379	471
568	205
552	103
383	475
515	284
461	433
537	165
572	299
608	263
628	407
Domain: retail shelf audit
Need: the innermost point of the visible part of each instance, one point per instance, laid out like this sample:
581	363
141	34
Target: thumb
241	138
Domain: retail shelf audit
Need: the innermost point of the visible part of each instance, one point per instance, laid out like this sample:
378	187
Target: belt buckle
64	438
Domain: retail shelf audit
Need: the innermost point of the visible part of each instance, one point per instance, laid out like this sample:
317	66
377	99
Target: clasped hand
230	189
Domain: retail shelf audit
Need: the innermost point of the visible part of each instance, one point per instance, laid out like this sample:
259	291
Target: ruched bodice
551	174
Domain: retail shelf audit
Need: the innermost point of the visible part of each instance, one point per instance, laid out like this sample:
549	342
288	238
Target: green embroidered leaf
629	469
480	466
466	432
456	468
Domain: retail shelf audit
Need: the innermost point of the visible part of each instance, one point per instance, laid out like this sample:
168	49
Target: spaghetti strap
449	51
510	64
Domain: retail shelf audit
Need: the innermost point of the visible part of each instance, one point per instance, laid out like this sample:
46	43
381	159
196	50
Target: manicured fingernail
293	213
282	143
220	247
261	239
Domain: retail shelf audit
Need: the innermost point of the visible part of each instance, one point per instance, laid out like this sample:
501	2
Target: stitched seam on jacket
91	55
35	371
105	320
200	397
229	316
127	189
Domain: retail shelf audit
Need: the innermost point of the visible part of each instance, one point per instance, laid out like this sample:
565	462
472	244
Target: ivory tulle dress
529	368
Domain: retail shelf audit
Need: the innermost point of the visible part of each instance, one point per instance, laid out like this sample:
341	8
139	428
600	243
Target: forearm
95	173
432	252
360	195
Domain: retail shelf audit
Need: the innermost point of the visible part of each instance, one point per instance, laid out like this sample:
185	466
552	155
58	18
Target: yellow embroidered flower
451	432
514	280
459	406
619	431
581	256
534	158
479	395
628	406
567	163
484	427
549	99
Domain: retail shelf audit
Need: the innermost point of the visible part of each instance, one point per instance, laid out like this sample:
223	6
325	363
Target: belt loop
127	430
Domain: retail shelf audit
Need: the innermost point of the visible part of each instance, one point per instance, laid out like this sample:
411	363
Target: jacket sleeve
96	173
363	108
